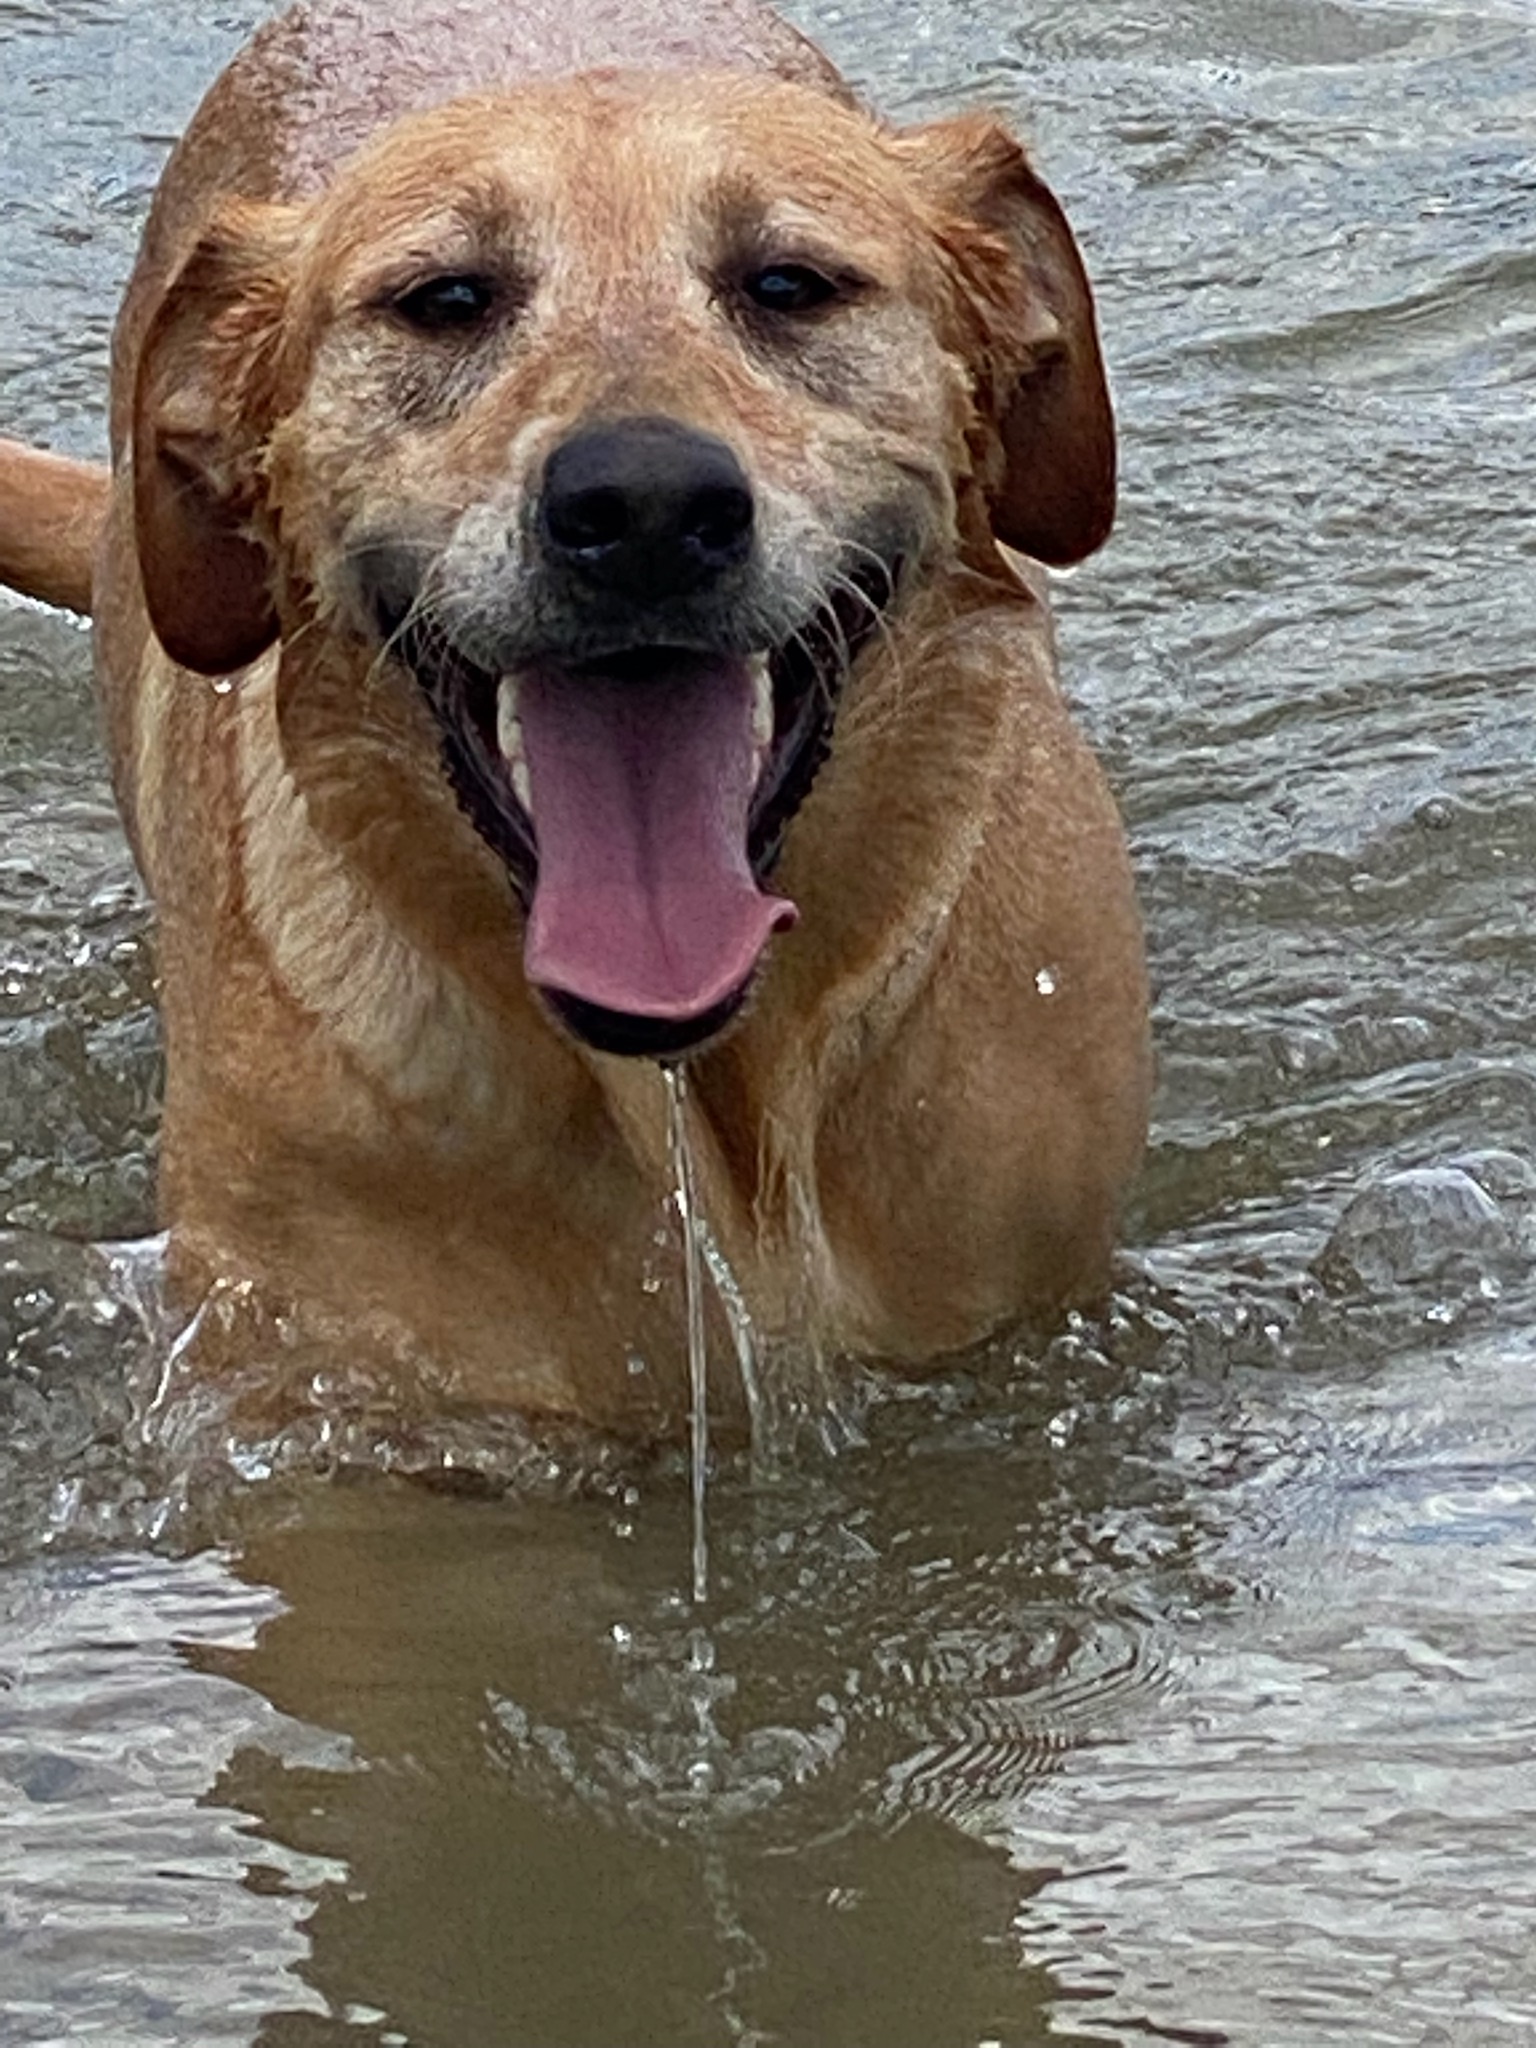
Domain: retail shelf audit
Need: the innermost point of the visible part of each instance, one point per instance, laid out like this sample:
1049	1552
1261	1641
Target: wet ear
1050	472
202	406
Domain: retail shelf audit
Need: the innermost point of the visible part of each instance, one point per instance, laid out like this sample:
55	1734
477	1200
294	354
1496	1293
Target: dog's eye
789	288
441	305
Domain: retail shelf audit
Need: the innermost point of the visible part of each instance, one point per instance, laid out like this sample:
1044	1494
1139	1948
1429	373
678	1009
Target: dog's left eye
441	305
789	288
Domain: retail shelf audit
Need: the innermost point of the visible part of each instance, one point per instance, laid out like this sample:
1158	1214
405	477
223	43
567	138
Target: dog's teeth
509	738
762	708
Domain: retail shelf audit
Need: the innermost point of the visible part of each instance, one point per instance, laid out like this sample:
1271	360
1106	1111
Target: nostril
644	511
587	522
720	521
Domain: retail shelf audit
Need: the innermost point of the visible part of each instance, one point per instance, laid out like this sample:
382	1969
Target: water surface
1179	1684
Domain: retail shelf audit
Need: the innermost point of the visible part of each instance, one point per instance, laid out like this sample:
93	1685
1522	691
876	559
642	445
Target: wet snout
643	512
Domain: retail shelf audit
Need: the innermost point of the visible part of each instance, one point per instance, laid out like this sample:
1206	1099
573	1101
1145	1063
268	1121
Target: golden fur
922	1125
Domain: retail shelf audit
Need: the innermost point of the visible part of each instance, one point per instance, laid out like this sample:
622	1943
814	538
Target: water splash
686	1197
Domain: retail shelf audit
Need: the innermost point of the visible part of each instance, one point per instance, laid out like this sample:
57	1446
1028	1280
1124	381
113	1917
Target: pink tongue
645	901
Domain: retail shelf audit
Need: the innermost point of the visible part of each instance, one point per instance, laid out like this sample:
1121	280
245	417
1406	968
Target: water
768	1437
1176	1684
690	1223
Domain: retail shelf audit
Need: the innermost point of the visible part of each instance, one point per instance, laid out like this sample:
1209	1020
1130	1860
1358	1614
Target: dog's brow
754	223
485	224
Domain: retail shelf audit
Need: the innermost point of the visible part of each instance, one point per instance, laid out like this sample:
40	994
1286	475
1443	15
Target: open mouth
639	803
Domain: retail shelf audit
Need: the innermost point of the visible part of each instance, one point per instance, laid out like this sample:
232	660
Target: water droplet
65	1505
701	1776
1045	981
623	1637
635	1365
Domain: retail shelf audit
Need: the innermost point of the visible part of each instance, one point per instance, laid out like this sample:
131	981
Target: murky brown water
1181	1684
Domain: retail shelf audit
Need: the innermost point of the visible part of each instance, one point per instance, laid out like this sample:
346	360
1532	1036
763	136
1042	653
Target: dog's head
622	413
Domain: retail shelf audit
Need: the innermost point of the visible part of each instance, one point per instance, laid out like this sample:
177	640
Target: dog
566	603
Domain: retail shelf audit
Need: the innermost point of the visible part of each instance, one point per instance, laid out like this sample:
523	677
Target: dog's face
623	413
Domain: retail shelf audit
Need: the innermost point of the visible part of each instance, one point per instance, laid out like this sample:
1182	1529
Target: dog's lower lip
656	1038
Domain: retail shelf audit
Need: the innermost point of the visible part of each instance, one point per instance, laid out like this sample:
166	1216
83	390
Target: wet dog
551	618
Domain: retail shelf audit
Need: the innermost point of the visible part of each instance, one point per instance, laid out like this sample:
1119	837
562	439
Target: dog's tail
51	511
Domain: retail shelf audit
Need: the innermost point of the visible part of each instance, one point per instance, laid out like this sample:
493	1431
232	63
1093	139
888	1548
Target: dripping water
685	1195
743	1336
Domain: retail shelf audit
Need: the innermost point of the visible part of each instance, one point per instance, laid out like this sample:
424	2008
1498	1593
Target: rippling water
1179	1684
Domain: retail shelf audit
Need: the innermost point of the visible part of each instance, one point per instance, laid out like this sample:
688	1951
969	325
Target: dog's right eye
443	305
789	288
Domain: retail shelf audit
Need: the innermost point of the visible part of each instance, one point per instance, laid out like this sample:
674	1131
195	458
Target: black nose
646	509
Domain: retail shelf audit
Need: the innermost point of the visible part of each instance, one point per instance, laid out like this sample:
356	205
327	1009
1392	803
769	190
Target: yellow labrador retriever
550	610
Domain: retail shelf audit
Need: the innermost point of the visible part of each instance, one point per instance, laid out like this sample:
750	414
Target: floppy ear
1050	475
202	404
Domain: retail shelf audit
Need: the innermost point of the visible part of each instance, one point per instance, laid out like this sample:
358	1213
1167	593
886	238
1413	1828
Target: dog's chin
726	747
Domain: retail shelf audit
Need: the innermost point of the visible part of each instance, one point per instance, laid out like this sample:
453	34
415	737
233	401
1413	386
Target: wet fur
923	1127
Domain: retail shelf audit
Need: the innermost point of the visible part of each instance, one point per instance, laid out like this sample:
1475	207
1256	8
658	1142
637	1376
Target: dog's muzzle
636	771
